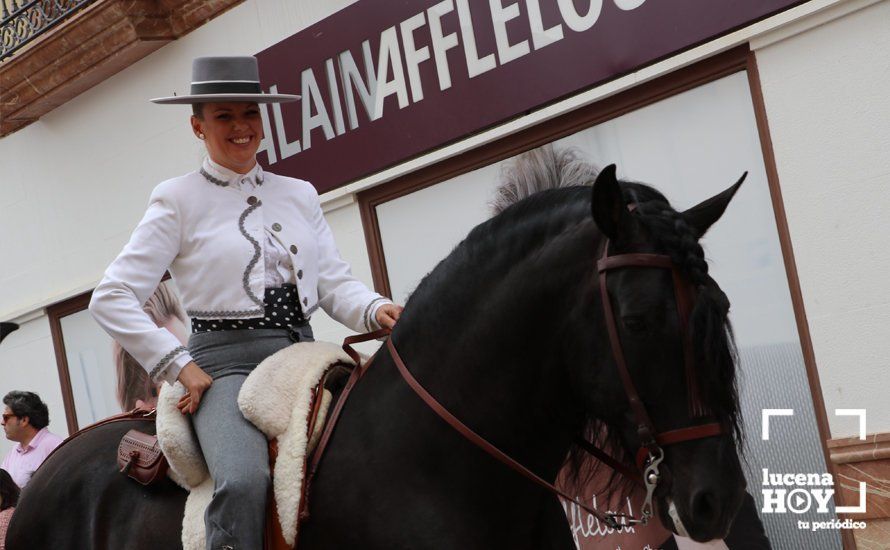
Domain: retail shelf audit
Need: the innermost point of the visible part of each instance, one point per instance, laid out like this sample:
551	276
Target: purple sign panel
386	80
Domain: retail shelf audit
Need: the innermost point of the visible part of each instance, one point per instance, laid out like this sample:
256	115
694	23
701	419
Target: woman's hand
196	382
388	314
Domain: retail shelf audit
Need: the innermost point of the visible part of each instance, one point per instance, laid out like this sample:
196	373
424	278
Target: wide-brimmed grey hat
218	79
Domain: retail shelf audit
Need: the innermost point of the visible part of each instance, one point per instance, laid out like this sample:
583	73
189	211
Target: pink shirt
22	462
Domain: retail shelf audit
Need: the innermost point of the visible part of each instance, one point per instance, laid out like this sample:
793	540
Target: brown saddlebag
139	456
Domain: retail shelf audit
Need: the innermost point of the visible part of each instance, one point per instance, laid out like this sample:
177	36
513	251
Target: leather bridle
650	453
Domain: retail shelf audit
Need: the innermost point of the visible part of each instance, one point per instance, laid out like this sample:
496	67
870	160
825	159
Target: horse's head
670	323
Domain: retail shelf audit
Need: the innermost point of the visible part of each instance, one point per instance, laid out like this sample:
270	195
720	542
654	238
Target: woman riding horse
253	258
511	334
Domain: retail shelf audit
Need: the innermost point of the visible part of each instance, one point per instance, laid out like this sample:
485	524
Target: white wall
827	100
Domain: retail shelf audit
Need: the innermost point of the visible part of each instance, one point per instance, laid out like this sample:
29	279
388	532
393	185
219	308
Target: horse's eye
634	324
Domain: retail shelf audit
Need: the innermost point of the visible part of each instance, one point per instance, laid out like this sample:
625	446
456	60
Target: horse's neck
495	366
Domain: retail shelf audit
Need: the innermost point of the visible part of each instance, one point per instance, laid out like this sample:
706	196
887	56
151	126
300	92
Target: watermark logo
799	493
796	493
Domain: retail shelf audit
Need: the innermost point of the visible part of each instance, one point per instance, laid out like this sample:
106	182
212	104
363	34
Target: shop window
690	145
89	373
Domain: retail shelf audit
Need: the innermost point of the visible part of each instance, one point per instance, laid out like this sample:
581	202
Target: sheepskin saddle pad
277	398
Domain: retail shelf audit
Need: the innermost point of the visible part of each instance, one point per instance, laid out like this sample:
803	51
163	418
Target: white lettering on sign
541	37
585	525
287	149
628	5
576	21
500	15
475	64
382	73
266	143
389	57
331	74
441	42
312	96
352	81
413	56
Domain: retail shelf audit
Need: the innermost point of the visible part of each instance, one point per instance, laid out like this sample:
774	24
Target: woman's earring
201	136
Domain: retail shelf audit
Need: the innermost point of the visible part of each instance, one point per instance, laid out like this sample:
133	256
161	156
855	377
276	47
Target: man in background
25	418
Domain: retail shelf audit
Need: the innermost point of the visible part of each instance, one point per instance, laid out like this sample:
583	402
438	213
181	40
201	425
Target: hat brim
225	98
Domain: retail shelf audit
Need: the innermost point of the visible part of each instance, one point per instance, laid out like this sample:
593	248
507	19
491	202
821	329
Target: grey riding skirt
226	352
235	450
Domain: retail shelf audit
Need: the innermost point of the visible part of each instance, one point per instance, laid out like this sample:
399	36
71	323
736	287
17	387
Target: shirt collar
220	175
22	449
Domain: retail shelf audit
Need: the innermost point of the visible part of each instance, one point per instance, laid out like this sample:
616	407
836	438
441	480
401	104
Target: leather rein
650	453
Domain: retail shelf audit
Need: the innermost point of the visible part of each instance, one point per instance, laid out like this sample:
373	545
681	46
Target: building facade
410	114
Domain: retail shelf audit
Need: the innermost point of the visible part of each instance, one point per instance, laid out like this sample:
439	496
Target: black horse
508	333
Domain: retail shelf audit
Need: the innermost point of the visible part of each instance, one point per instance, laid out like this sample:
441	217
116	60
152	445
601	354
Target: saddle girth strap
354	377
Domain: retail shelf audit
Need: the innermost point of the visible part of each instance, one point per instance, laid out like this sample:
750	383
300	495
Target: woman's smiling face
232	132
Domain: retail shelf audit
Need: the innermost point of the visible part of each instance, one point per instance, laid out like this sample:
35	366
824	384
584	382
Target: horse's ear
702	216
608	205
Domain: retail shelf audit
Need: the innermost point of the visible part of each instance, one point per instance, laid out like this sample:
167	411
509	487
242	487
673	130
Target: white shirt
210	229
279	269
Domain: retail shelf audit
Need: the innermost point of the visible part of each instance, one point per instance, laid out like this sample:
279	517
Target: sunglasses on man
6	417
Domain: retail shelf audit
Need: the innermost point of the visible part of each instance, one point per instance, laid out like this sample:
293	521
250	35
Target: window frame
55	313
735	60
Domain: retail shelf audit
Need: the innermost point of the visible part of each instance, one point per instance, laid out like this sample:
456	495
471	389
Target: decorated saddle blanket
277	398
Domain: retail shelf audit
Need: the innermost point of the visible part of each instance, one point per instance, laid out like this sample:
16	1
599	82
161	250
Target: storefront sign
385	80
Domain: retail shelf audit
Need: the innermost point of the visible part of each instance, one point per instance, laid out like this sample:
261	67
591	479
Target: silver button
300	274
293	249
276	227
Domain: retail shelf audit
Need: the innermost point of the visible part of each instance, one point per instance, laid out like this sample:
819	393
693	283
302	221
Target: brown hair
132	380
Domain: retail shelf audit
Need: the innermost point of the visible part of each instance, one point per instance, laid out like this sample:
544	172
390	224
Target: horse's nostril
704	507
